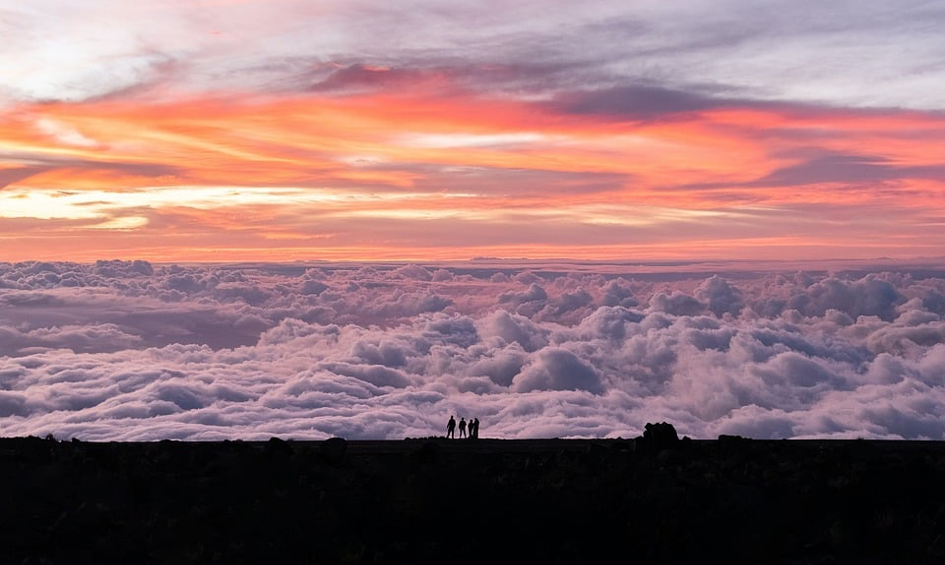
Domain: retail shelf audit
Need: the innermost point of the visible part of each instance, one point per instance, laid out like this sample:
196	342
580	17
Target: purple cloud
639	102
556	368
128	350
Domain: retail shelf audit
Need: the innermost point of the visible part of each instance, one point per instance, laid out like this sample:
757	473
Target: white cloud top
130	351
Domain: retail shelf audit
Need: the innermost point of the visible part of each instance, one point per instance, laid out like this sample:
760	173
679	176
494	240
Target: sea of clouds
130	351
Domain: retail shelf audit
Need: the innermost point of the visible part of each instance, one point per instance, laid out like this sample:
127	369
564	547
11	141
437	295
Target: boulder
278	449
658	437
333	450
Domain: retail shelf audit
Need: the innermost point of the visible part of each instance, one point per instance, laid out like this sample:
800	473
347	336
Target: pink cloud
863	356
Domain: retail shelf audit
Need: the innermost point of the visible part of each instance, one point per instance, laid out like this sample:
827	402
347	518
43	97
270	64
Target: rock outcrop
654	499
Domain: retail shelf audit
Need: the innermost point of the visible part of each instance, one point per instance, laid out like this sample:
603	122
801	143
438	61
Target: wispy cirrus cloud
414	169
811	51
362	130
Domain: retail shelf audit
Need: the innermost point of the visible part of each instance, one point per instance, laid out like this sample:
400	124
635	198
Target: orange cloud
257	176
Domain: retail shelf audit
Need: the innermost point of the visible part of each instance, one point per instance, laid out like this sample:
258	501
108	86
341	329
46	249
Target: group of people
472	426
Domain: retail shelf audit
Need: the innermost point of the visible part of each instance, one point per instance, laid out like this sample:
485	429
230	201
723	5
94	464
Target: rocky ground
643	500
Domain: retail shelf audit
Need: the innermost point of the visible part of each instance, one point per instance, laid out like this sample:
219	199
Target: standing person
462	427
474	429
450	426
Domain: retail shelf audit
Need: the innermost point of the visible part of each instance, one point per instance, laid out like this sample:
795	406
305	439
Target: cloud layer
881	53
131	351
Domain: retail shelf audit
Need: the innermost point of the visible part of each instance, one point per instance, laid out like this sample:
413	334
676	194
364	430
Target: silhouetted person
462	427
474	429
450	426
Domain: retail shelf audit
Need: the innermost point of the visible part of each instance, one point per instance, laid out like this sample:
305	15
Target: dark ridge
652	499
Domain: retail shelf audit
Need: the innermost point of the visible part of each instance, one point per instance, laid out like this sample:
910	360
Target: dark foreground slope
472	501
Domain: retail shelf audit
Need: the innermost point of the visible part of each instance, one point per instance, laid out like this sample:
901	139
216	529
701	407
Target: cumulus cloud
719	296
678	303
555	368
126	350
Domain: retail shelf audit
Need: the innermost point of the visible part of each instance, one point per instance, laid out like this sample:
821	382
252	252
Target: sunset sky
222	130
246	218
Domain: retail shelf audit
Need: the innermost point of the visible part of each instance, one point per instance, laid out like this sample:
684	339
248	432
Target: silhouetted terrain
729	500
